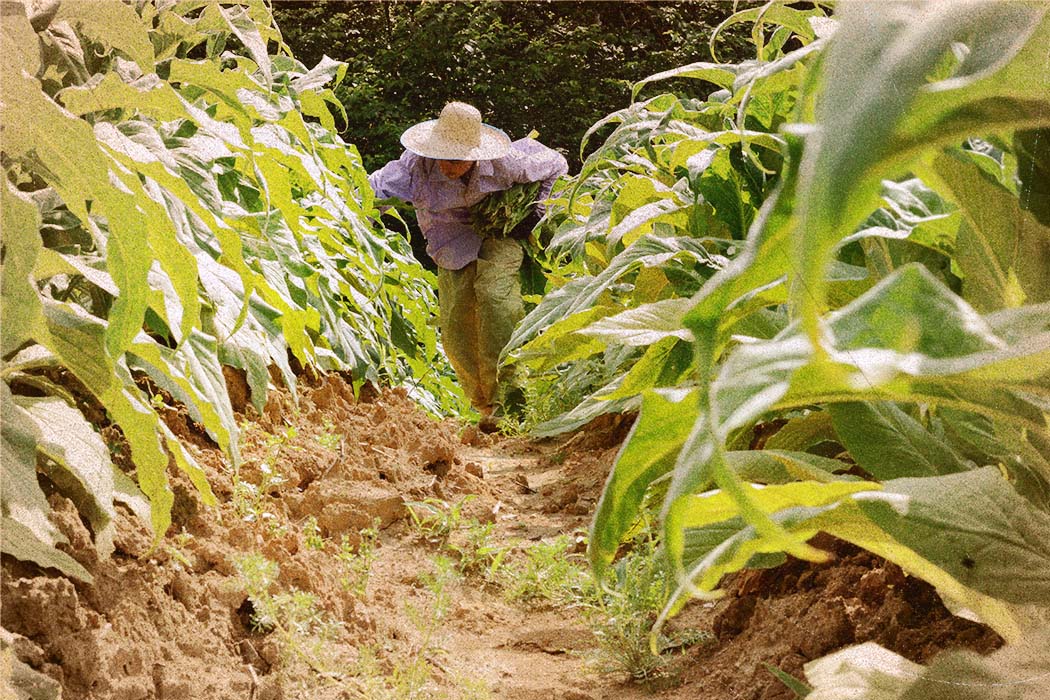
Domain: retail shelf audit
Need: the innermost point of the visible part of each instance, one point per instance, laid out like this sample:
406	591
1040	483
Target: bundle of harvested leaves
500	212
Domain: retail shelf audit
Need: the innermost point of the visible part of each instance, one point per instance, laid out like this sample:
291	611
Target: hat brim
421	140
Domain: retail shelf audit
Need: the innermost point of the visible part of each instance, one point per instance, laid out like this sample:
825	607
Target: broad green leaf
82	468
719	74
22	543
561	341
150	97
245	29
847	519
127	492
643	325
649	452
974	526
193	375
1003	252
861	111
591	407
849	522
888	443
326	71
663	364
770	466
773	13
580	294
722	186
78	340
1032	147
113	24
19	302
20	47
701	541
21	498
68	154
707	508
1018	671
863	672
800	434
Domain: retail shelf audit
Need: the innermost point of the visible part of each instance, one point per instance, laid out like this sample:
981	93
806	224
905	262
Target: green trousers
480	306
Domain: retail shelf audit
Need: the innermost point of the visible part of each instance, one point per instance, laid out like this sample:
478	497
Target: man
449	165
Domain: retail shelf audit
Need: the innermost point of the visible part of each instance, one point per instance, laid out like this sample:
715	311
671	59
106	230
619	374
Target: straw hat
457	134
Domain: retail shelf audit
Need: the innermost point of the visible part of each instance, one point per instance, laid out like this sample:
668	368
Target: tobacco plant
837	257
176	200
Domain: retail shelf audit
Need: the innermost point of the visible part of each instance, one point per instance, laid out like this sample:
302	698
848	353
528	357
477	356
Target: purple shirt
443	205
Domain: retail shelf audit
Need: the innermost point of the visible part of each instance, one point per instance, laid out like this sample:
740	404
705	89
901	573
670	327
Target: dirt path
282	591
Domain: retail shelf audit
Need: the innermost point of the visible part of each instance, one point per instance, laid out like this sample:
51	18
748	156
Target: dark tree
556	67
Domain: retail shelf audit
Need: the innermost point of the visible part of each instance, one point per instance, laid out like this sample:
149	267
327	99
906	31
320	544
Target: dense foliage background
548	66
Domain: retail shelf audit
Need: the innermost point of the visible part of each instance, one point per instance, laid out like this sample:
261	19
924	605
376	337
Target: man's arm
395	178
531	161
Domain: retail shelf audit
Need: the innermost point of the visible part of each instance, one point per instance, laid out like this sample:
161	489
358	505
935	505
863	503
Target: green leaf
19	302
244	28
113	24
650	251
66	152
21	497
643	325
719	74
1032	148
802	433
82	468
20	47
1016	672
649	452
664	364
1003	252
974	526
800	689
865	672
561	341
78	340
22	543
874	121
888	443
193	375
771	466
127	492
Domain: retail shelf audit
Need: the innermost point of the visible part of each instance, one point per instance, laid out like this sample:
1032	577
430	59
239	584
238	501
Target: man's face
453	169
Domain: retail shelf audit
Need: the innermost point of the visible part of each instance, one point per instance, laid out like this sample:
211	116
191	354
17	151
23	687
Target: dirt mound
797	612
155	617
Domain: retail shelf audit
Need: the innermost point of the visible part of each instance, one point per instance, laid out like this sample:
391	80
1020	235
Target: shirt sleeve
531	161
395	178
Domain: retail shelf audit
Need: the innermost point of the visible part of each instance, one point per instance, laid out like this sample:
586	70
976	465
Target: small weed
357	562
624	611
468	540
295	616
156	401
250	499
546	571
475	551
312	534
435	520
328	437
409	676
175	550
